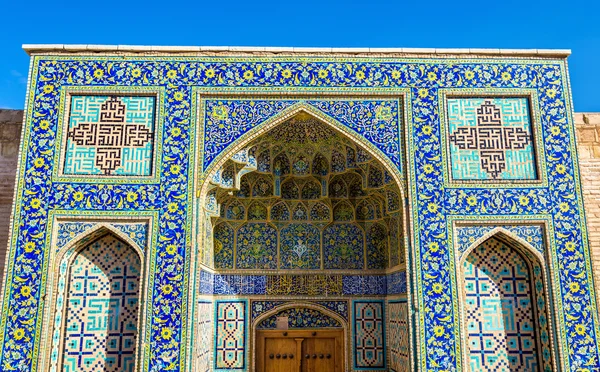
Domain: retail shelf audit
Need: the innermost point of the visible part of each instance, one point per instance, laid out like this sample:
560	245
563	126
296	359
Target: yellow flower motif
36	203
574	287
132	196
523	200
48	88
175	132
428	168
29	247
38	163
423	92
287	73
44	124
323	73
472	200
469	75
98	73
432	76
438	331
19	334
220	112
570	246
551	92
580	329
172	207
25	291
178	96
383	113
166	289
396	74
506	76
360	75
563	207
171	74
175	169
210	73
427	129
561	169
433	246
171	249
248	75
437	288
78	196
166	333
432	207
555	130
136	72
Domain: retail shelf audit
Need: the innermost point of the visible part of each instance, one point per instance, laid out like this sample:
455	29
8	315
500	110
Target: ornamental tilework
230	336
183	79
240	116
491	139
204	324
343	247
398	336
369	335
396	283
532	234
102	308
256	246
110	135
338	307
300	318
499	310
67	231
300	247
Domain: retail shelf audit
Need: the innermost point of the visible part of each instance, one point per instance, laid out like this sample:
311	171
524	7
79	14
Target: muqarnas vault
267	210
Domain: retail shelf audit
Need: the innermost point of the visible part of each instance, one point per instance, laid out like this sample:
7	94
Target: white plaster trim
33	49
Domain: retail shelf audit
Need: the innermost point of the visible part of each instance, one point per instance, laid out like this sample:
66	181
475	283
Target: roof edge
32	49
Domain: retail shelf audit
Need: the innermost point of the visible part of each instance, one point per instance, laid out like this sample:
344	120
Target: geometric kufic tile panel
230	338
398	341
491	139
204	323
369	335
499	310
110	135
102	308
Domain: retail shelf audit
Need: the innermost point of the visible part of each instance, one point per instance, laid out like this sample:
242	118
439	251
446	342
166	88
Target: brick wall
10	136
588	145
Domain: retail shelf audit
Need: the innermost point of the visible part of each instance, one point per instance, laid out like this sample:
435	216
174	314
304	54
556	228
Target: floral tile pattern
423	82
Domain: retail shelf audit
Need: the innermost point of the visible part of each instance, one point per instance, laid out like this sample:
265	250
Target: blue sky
570	24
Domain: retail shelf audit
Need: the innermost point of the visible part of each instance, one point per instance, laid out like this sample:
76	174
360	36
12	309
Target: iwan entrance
308	223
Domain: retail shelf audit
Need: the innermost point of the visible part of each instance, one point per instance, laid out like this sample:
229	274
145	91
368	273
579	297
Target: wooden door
319	354
306	350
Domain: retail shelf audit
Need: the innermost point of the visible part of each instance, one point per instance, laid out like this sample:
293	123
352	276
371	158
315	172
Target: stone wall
10	136
588	145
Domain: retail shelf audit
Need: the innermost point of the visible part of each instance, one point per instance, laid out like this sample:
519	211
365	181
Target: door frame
303	305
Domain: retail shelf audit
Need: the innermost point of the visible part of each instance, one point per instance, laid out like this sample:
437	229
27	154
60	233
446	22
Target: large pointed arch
541	311
204	176
277	119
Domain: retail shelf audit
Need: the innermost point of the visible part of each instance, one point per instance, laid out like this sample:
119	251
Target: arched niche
505	314
97	308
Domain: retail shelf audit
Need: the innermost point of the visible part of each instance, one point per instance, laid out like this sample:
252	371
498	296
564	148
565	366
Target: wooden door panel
280	355
313	350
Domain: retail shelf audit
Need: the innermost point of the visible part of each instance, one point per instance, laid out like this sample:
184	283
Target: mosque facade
298	209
